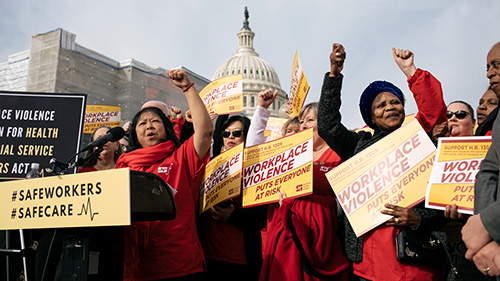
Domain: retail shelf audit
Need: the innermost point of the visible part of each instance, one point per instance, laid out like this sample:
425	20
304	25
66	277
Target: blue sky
450	38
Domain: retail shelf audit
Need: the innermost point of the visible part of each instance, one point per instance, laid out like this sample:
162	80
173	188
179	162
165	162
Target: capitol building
56	63
258	75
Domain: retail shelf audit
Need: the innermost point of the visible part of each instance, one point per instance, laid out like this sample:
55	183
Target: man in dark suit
481	233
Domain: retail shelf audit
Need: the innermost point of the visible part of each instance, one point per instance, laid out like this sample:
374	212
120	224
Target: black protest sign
36	127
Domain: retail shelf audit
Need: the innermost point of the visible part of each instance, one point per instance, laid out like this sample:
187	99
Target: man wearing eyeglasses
481	233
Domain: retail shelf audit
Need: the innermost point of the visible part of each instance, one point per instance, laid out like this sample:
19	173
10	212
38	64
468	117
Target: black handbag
417	247
424	248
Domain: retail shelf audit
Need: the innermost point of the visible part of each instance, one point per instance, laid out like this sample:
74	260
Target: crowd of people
305	238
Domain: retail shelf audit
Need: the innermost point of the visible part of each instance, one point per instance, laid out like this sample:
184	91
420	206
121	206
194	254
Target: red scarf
143	158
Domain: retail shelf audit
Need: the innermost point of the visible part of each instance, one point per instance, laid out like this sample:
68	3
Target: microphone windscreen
117	133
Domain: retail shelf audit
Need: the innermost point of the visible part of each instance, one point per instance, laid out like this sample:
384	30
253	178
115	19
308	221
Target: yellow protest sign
101	115
299	87
408	118
454	173
273	128
224	95
282	165
80	200
394	170
222	180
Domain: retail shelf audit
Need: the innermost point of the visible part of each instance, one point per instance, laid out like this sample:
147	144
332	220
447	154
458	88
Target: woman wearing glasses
234	131
461	123
461	120
231	235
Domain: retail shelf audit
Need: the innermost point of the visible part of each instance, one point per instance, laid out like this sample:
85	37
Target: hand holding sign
451	212
213	115
282	197
401	216
440	130
289	109
221	212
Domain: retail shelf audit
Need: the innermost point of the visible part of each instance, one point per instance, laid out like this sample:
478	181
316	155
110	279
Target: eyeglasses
235	134
460	114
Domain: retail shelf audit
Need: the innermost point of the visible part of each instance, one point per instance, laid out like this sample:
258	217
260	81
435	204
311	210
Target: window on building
253	102
244	101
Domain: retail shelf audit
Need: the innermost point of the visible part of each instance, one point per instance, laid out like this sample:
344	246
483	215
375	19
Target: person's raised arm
404	60
337	58
203	127
175	112
266	98
330	128
426	90
260	117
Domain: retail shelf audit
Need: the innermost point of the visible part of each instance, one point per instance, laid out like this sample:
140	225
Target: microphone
114	134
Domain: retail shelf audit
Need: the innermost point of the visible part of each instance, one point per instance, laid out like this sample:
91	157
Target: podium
89	252
151	198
